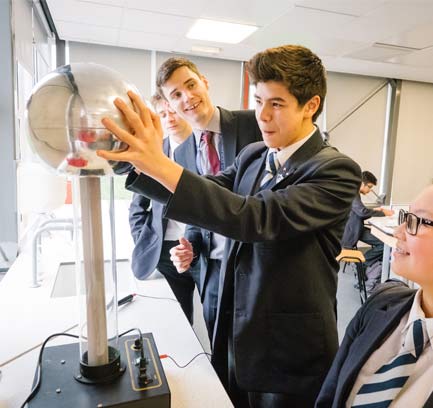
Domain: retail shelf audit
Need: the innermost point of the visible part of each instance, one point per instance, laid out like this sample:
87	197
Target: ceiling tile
190	8
349	7
390	19
377	52
147	41
150	22
423	58
255	12
87	32
84	12
118	3
291	28
418	37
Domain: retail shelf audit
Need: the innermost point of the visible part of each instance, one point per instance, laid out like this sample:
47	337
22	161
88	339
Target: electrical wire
127	299
121	302
35	389
162	356
156	297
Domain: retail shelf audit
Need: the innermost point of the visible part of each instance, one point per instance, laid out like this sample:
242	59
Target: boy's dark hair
298	68
368	177
155	99
166	70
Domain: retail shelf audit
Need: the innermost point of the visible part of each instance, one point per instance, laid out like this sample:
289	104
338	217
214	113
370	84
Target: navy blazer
370	327
148	225
279	260
238	129
355	224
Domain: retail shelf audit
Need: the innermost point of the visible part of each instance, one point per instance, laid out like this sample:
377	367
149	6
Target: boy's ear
312	105
205	81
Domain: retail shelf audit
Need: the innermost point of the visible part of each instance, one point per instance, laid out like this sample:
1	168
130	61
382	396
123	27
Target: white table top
383	229
29	315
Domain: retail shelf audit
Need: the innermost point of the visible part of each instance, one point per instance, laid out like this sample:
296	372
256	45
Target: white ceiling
387	38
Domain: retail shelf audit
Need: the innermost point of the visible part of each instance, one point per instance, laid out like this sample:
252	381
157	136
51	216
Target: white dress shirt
284	154
175	229
214	125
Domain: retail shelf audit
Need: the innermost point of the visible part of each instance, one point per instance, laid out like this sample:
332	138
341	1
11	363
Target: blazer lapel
185	154
166	146
249	184
229	129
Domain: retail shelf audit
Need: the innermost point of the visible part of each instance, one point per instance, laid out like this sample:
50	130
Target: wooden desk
29	315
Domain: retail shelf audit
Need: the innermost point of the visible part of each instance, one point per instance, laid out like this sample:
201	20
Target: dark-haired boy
356	231
276	334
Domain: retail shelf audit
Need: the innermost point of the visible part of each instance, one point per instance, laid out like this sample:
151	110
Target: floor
348	301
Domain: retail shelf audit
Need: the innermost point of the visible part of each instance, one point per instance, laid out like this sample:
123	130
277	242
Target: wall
224	89
413	168
361	135
135	66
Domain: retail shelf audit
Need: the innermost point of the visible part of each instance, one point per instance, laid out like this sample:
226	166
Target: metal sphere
64	116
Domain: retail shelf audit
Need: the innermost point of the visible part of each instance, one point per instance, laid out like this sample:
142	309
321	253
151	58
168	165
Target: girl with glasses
386	357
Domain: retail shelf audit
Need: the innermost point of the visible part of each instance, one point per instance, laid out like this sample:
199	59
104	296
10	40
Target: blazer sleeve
363	212
144	185
139	211
322	196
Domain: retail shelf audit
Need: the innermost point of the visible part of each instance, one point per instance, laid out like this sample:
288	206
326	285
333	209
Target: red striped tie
214	161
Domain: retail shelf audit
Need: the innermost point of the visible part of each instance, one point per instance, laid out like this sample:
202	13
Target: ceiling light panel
220	31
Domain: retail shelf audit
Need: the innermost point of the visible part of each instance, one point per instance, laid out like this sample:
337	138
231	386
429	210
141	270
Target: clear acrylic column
96	279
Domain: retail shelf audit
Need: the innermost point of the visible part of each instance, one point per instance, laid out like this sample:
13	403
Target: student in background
283	205
153	234
385	359
356	231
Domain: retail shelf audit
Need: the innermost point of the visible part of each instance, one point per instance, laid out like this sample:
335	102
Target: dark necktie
271	169
211	164
386	383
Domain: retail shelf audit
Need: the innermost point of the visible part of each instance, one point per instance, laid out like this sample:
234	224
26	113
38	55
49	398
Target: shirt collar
416	313
214	125
284	154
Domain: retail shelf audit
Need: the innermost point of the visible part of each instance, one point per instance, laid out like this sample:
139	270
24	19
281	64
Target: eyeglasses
412	221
